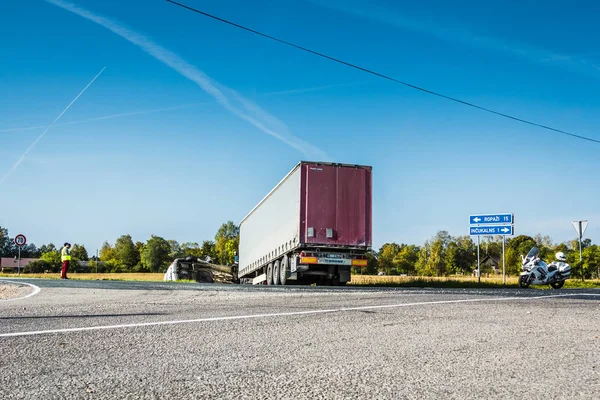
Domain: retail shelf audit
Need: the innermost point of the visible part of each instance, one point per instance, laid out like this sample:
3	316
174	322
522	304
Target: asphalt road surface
120	340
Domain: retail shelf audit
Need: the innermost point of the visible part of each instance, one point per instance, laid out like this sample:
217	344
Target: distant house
11	262
491	263
87	265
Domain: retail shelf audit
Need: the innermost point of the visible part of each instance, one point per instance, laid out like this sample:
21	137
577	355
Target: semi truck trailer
311	228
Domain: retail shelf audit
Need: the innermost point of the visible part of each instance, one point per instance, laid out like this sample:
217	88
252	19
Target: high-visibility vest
64	254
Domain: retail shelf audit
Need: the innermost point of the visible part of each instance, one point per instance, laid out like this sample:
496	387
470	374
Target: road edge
36	290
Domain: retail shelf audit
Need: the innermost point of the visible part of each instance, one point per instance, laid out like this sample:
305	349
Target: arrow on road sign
491	230
492	219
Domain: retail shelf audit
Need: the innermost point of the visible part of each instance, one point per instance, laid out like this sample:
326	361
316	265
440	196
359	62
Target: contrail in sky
457	33
127	114
210	86
20	160
178	107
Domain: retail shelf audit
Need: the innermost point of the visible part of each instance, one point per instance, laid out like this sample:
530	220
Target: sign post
478	264
580	227
20	241
504	259
492	224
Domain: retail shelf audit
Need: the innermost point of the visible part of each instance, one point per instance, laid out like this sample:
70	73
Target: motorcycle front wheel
524	281
557	285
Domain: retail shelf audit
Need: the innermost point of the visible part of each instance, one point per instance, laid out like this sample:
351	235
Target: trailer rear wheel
323	281
276	273
283	270
270	274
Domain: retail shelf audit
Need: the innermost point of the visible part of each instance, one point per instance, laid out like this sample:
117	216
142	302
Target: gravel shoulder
10	291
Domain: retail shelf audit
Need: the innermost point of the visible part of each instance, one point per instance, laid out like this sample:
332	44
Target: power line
389	78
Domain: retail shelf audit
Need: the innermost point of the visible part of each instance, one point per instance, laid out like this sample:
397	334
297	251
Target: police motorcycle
537	272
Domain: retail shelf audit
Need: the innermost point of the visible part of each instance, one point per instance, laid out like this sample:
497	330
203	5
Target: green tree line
445	255
124	255
441	255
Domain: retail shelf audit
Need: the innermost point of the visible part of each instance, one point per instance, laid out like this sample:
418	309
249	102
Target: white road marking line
285	314
36	290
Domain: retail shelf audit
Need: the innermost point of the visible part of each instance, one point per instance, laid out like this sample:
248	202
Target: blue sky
239	111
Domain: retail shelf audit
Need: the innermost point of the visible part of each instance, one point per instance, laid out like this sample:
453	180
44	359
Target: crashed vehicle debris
203	271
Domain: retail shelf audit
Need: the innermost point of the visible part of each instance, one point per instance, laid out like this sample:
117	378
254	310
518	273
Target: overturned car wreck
196	269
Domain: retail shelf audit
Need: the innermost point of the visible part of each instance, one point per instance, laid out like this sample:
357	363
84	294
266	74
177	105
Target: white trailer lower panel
273	227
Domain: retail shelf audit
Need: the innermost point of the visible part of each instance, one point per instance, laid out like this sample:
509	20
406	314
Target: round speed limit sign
20	240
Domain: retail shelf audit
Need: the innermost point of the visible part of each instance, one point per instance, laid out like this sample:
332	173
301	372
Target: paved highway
138	340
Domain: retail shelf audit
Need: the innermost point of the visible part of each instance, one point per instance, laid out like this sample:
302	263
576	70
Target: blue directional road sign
491	230
491	219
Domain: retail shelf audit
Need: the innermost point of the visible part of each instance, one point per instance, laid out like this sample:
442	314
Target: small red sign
20	240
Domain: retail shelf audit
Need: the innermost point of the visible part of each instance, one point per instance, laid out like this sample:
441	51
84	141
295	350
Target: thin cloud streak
311	89
32	145
120	115
178	107
192	73
457	34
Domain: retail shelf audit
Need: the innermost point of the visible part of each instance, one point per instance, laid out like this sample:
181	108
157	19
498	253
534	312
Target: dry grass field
399	280
456	281
142	276
357	280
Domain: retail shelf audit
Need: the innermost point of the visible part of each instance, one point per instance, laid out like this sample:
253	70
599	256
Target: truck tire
270	274
276	273
323	281
336	282
283	270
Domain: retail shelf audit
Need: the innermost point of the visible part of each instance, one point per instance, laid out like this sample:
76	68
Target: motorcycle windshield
533	252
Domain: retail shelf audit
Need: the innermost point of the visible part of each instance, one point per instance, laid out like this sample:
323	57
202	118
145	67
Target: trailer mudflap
259	279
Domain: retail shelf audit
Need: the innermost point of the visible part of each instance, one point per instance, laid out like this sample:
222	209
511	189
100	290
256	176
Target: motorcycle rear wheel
557	285
523	281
